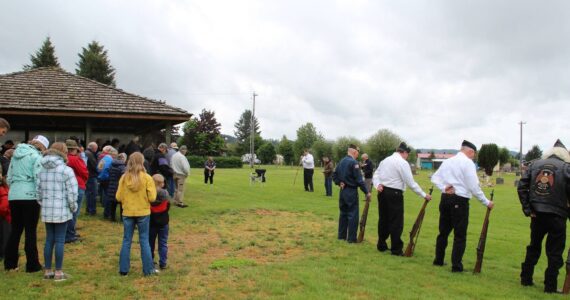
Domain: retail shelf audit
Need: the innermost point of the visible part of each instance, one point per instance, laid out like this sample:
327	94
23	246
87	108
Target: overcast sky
434	72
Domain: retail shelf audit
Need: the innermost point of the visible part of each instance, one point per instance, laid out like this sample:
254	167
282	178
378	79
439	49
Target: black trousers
308	179
391	219
453	215
25	215
348	219
4	235
208	175
554	227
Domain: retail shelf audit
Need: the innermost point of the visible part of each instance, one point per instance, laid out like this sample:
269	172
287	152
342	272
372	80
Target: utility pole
252	135
521	123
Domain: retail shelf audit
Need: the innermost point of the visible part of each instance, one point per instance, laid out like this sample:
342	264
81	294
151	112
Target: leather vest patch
544	183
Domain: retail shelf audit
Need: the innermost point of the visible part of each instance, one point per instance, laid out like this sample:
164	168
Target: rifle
295	179
566	287
483	240
415	233
363	221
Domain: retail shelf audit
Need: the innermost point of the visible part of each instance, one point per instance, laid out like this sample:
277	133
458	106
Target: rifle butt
566	287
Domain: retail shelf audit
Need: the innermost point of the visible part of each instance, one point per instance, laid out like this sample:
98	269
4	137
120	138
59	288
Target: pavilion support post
168	133
88	129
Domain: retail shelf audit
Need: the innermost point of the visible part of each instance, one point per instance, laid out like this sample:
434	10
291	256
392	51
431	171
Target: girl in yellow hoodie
135	192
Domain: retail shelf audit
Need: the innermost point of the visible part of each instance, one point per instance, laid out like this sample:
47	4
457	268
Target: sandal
60	277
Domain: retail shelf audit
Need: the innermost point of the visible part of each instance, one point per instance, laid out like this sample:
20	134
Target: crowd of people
39	179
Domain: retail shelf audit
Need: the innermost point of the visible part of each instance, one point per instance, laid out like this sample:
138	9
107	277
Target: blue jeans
170	186
142	224
70	234
91	195
162	233
328	186
55	238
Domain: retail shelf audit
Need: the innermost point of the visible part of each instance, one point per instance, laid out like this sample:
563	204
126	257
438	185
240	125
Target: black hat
559	144
403	147
467	143
353	146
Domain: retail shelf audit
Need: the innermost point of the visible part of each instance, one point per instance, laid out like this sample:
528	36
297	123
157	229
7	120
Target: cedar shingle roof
53	89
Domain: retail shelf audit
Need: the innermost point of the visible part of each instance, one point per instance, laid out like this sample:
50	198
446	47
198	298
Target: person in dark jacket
160	164
159	222
117	170
368	169
328	170
347	175
543	193
91	186
148	155
133	146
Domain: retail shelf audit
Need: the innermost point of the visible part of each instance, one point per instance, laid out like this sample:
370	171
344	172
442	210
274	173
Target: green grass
277	241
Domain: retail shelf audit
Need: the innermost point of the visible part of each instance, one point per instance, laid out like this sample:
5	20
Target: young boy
159	221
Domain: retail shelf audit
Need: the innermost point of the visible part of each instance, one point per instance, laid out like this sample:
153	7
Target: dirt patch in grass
205	258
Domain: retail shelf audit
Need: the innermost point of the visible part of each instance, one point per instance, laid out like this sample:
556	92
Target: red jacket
4	206
79	168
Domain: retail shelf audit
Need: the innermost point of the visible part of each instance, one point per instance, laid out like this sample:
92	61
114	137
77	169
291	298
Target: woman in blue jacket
24	208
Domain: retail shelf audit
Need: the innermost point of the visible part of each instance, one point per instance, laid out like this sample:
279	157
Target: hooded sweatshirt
24	168
56	188
136	199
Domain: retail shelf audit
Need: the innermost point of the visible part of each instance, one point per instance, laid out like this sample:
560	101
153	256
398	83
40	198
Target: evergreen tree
202	135
94	64
286	149
243	132
44	57
533	153
488	157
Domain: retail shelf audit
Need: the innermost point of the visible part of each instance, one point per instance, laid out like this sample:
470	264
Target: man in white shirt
308	169
457	179
390	179
181	170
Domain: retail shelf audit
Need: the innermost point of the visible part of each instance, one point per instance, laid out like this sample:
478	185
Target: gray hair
162	145
122	156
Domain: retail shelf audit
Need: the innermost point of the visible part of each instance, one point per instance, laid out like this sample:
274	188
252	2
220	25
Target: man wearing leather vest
543	194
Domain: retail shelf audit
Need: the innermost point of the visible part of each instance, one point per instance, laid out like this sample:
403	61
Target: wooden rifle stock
362	226
483	240
566	287
415	232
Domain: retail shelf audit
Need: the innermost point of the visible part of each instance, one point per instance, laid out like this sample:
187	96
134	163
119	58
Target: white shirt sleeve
408	178
472	183
376	178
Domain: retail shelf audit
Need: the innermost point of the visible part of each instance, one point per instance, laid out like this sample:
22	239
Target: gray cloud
434	72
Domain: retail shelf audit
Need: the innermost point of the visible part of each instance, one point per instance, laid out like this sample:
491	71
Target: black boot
526	274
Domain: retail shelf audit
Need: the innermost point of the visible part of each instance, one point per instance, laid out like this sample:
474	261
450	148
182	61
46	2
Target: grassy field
238	241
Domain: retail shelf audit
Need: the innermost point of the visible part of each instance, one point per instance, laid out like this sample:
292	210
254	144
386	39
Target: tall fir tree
243	132
94	64
44	57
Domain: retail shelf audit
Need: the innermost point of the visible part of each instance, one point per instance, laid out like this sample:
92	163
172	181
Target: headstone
500	180
516	183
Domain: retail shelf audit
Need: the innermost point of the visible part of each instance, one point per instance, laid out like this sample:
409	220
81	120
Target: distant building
429	161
